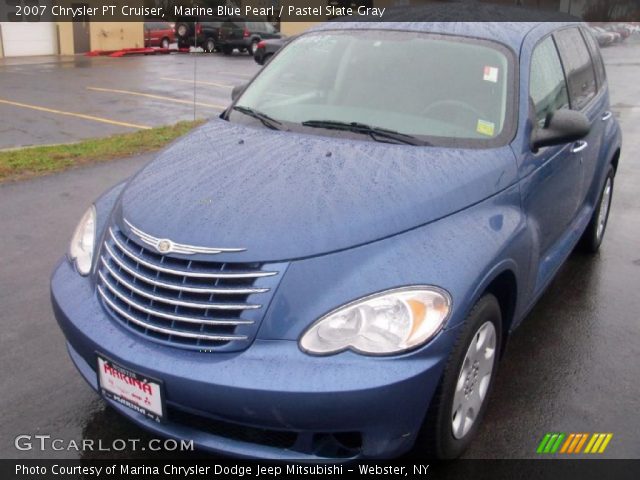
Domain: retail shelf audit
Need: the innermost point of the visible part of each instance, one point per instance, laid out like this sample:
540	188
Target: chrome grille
191	303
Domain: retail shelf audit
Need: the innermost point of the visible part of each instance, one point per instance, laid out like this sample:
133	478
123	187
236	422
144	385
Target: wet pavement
573	365
44	100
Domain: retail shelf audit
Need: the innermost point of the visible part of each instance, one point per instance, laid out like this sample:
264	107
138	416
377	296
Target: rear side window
578	67
596	56
548	89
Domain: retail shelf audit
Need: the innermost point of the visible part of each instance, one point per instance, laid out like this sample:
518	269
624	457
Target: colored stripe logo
573	443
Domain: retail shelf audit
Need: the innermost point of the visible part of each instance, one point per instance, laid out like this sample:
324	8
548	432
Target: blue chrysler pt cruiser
331	269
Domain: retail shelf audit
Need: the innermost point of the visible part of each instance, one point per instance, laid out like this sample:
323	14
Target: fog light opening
337	445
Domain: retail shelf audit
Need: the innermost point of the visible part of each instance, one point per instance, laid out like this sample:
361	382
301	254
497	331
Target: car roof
518	23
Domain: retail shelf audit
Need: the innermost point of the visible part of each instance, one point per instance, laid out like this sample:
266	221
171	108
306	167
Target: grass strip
18	164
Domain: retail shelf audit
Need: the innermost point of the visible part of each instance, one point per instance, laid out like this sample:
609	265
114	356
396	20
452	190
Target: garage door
29	38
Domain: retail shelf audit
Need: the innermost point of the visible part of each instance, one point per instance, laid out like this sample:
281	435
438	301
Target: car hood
283	195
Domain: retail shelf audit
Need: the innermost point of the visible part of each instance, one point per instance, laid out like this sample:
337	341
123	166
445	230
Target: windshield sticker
491	74
486	128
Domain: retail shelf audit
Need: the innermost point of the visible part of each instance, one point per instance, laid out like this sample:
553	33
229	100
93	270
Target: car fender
612	142
461	253
104	210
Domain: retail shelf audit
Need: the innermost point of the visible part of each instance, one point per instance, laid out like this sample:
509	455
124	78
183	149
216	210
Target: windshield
445	90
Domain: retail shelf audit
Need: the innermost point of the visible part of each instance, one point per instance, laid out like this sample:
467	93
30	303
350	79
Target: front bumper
270	387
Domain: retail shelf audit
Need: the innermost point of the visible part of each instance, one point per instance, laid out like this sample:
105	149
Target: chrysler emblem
164	246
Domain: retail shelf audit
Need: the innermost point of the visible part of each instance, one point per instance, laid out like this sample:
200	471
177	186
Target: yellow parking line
235	74
157	97
199	82
73	114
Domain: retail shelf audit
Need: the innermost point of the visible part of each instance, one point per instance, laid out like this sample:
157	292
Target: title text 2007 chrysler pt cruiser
331	268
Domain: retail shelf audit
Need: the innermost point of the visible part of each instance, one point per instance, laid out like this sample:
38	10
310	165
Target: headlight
387	322
82	242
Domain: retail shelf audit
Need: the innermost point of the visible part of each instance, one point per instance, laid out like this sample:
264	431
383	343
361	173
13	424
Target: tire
594	234
227	50
165	43
182	30
446	432
253	47
209	45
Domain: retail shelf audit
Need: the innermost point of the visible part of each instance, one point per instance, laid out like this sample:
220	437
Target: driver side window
547	87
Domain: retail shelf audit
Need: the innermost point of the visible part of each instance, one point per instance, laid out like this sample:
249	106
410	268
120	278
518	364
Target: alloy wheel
473	380
605	203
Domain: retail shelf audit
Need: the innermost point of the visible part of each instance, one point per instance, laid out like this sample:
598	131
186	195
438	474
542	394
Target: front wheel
460	400
165	43
594	234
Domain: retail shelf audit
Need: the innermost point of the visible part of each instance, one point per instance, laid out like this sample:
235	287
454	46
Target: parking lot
571	367
57	100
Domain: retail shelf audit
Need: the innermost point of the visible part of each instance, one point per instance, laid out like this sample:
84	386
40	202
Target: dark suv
243	35
191	32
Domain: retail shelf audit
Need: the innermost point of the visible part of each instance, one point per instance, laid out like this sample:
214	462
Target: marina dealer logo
574	443
130	389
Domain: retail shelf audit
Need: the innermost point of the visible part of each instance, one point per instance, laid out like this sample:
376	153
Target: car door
551	193
584	97
154	33
601	115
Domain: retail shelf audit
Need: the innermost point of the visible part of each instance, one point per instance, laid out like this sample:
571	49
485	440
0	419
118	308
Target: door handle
579	146
606	116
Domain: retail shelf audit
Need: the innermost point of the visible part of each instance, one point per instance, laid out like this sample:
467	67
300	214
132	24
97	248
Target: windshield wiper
266	120
375	133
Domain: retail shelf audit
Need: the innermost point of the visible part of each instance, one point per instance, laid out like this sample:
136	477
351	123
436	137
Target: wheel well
614	160
504	288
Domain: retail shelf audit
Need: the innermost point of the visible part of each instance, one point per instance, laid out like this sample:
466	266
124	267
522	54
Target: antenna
195	63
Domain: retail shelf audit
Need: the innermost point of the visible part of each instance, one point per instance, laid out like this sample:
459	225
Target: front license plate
128	388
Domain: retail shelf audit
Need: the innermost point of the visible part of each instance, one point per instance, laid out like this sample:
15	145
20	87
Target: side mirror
237	90
564	126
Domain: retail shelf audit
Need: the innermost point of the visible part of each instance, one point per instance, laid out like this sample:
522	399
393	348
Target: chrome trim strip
177	318
174	333
180	303
178	247
185	273
173	286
